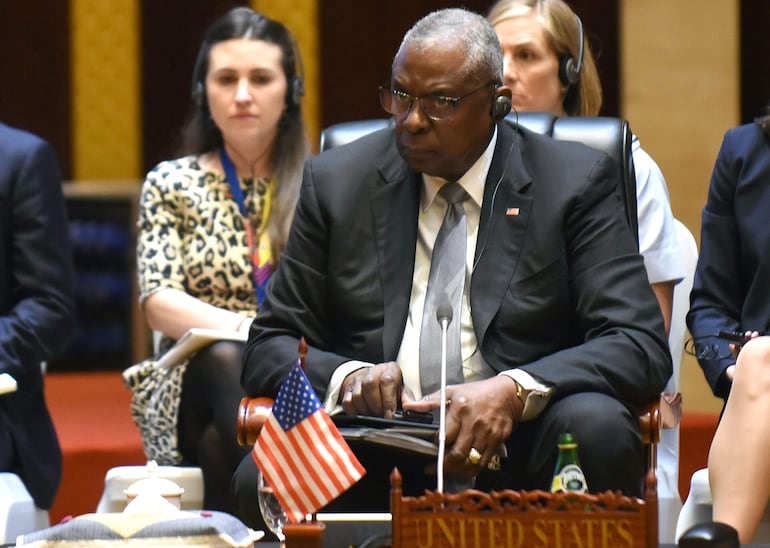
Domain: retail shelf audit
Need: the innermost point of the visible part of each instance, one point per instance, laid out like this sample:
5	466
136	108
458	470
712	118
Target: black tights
208	411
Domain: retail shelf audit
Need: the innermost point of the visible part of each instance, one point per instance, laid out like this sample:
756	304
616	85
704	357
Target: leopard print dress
191	237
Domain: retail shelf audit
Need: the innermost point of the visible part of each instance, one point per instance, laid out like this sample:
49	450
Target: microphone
444	317
444	312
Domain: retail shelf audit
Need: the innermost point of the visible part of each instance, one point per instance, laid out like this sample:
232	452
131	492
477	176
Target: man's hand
480	415
372	391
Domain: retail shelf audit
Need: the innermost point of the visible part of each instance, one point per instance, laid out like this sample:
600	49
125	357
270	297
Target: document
408	436
195	339
411	437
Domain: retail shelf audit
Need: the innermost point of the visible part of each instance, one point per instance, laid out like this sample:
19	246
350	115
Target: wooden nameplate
521	519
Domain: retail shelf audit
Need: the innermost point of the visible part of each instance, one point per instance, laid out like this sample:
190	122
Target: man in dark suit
36	306
559	328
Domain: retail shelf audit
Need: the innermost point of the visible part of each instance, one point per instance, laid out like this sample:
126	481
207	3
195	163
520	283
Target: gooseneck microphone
444	317
444	312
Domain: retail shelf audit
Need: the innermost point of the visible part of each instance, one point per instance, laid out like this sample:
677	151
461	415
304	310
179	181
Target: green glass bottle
568	476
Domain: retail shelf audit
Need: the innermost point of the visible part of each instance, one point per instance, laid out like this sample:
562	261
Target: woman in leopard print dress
209	238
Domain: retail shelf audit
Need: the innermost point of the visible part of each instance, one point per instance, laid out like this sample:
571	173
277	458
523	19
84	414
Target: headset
569	69
295	87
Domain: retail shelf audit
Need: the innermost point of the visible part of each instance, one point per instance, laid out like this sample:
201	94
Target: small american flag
301	453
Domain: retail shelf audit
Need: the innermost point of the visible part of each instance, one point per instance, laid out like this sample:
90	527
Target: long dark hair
200	134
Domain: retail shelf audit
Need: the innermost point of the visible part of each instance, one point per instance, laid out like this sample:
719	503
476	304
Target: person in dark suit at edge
560	330
36	306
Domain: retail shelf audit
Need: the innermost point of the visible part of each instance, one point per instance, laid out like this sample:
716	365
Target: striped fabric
301	453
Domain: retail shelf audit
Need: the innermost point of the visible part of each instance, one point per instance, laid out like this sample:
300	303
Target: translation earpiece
199	93
502	107
297	90
297	83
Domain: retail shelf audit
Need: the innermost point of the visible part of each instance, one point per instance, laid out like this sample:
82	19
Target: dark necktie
445	284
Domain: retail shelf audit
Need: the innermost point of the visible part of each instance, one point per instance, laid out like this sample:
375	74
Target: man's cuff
335	384
532	392
7	384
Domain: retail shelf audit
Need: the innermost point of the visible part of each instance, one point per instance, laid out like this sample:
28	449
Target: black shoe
710	535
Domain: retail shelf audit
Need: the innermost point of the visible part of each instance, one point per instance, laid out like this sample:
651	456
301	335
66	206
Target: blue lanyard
237	192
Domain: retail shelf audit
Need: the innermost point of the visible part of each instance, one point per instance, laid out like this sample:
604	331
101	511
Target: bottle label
570	478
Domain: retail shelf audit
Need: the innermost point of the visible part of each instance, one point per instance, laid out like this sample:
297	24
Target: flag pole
302	348
305	533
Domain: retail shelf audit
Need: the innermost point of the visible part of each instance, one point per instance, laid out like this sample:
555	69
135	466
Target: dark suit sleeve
718	292
615	342
38	304
295	296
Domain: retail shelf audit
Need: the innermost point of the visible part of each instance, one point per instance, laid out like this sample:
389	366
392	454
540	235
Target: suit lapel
504	218
395	201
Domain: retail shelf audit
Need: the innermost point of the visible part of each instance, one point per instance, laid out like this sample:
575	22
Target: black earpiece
569	69
297	82
199	94
198	89
501	107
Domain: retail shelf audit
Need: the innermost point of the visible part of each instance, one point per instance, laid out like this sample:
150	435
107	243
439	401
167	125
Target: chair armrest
252	414
650	423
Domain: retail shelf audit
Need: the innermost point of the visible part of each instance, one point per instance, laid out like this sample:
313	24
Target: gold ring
494	463
474	457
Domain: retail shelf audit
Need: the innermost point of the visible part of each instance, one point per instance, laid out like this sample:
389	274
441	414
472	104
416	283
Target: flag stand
306	534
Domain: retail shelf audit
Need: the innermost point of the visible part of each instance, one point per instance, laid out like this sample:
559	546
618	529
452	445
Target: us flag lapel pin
512	211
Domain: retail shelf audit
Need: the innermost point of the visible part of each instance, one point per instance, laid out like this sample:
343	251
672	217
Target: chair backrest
345	132
610	135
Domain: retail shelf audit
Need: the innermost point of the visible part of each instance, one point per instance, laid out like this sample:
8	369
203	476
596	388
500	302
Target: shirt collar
472	180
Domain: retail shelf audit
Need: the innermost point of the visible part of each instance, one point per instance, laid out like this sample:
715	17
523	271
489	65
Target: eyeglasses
399	103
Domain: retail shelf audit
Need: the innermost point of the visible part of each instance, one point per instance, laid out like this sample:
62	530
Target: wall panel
106	115
755	58
34	72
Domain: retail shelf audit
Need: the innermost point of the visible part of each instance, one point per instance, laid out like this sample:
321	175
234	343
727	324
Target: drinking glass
272	512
